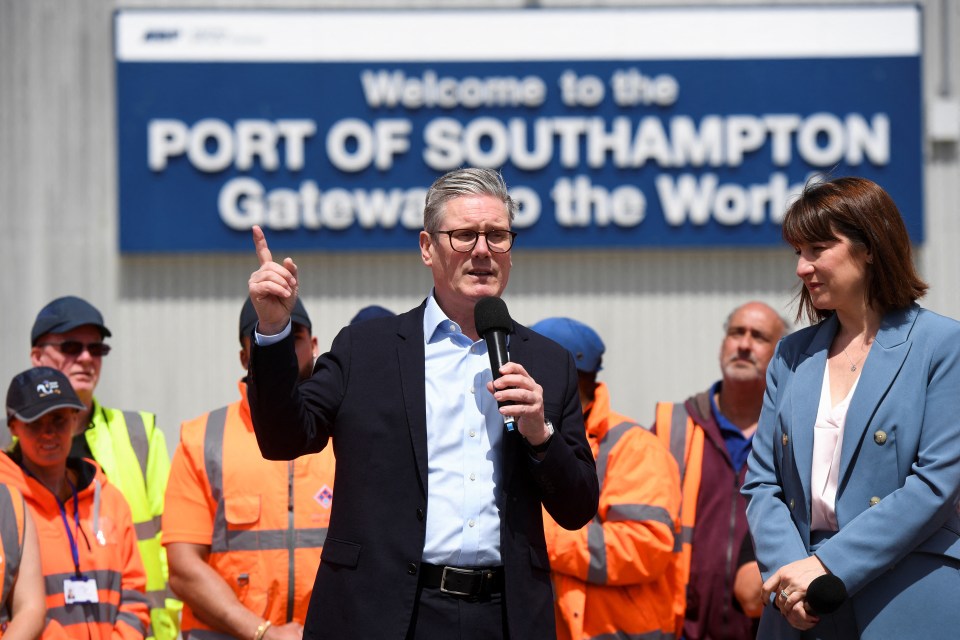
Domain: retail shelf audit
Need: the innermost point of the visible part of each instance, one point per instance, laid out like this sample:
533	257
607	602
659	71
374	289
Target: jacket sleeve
567	475
292	419
133	617
631	539
776	539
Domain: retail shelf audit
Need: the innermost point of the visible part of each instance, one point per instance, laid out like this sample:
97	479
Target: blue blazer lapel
805	400
411	357
880	369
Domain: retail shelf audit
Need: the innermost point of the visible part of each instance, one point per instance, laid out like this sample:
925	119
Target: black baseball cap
248	317
64	314
36	392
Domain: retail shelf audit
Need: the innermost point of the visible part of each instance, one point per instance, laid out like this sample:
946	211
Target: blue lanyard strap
74	549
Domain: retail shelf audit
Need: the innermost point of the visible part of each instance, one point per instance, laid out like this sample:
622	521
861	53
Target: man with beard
710	436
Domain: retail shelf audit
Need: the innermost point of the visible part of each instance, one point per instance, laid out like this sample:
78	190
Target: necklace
853	365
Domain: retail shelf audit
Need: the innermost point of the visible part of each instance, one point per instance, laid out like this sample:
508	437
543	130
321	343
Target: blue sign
645	151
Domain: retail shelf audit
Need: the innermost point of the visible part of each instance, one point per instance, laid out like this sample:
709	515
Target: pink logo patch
324	496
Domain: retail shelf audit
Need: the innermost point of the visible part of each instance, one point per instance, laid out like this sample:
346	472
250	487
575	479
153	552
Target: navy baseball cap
64	314
371	312
248	317
581	341
36	392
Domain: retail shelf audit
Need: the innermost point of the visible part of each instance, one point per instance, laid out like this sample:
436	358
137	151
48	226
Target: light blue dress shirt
464	435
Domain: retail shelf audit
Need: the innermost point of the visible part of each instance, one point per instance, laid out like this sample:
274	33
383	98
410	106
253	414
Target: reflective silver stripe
640	513
137	431
12	542
133	621
597	547
85	614
678	438
106	579
609	441
271	540
132	595
685	537
206	634
213	463
158	599
149	529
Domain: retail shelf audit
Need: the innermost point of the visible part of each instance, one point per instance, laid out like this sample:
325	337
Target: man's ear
426	243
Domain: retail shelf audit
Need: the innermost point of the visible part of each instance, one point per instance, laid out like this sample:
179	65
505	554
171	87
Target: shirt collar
436	324
726	427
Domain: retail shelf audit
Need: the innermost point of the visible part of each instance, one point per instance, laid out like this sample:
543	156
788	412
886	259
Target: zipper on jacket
291	538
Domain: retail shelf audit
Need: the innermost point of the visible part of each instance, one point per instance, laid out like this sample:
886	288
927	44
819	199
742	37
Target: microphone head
490	314
826	593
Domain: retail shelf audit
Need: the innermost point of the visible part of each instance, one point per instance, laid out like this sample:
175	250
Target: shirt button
471	523
473	389
452	327
473	476
412	569
473	433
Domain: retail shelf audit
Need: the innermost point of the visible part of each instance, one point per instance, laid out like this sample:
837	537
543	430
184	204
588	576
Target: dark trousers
438	616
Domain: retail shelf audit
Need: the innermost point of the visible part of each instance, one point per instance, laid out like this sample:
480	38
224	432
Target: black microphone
492	321
826	594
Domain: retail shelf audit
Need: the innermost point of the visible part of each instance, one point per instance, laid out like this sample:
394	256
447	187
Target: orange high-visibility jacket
679	433
11	546
107	546
265	521
617	575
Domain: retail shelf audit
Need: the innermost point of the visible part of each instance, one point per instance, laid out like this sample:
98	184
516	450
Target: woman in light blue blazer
855	469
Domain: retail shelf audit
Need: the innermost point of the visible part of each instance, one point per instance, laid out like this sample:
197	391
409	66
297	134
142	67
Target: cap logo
48	388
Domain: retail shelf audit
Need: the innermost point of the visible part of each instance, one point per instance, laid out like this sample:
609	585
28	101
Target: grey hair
786	327
464	182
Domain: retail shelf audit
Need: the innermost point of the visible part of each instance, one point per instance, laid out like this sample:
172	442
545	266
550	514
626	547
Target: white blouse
827	441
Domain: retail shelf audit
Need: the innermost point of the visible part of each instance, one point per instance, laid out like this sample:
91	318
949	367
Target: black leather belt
460	581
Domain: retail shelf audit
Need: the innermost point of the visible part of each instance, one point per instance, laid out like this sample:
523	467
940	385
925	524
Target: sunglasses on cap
75	347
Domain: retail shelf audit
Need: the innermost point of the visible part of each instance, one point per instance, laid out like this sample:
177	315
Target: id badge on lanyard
80	590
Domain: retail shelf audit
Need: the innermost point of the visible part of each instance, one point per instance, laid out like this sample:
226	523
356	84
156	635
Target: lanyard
74	549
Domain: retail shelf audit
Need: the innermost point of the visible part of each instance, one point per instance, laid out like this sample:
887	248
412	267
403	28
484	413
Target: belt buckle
454	592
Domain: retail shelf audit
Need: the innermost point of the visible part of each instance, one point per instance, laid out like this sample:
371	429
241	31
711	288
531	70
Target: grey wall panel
175	317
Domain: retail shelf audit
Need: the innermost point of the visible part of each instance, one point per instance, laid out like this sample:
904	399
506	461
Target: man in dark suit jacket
436	528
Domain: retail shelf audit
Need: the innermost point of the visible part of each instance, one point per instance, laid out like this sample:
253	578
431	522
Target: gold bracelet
261	630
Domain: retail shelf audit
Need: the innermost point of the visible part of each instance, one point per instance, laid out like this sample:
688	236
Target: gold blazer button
785	439
880	437
874	501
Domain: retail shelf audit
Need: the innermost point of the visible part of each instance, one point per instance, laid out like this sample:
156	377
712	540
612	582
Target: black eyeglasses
75	348
464	240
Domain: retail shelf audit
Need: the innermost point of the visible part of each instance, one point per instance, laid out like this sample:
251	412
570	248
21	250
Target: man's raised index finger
260	244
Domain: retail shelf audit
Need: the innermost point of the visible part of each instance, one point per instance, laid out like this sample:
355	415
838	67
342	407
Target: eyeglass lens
498	240
75	348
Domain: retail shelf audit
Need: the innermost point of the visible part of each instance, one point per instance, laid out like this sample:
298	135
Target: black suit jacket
368	395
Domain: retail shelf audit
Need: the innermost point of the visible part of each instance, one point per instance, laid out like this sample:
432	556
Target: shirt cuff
266	341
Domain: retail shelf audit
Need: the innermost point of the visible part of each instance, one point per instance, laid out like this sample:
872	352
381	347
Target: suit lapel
411	357
880	369
805	400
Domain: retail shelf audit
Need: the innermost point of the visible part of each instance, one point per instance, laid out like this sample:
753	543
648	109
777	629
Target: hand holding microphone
492	321
517	390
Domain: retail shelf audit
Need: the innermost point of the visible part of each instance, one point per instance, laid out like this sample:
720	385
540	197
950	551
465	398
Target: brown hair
864	213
